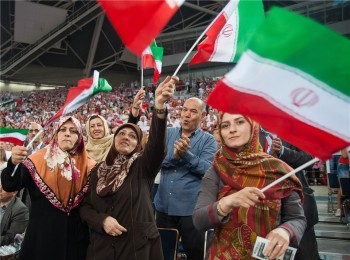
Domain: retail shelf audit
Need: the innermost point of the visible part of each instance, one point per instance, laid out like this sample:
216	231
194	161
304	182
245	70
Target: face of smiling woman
67	136
125	141
97	129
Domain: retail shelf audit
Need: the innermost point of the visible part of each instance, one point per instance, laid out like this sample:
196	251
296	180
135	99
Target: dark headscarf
112	172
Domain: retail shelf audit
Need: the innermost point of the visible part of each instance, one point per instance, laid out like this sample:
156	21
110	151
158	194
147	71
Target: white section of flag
226	46
159	66
259	76
16	135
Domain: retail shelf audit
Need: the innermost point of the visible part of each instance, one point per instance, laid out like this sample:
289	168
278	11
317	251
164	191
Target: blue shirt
181	178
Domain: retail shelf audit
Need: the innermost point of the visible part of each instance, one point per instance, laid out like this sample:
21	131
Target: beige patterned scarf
98	149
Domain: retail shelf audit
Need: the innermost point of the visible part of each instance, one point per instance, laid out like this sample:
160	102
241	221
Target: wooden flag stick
302	167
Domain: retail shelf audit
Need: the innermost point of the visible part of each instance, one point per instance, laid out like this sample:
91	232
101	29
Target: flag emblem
227	31
304	97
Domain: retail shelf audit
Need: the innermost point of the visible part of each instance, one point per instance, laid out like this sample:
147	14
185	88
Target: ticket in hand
261	244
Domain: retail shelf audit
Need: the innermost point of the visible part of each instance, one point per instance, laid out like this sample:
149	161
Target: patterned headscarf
98	148
249	168
62	176
113	172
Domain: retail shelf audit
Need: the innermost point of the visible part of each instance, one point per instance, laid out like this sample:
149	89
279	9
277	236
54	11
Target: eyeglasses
34	130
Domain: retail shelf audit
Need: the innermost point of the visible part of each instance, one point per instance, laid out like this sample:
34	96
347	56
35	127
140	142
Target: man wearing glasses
37	144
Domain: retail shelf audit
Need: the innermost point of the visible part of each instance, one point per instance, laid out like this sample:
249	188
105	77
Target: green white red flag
13	135
294	80
138	22
229	34
152	57
79	95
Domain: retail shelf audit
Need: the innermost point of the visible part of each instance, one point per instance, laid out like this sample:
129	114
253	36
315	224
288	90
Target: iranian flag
294	80
12	135
79	95
152	58
228	36
138	22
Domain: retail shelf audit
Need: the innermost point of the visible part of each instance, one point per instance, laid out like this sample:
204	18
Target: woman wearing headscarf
57	178
99	138
230	200
118	207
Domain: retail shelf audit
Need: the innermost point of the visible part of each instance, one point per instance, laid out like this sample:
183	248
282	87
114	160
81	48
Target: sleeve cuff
281	152
188	156
290	230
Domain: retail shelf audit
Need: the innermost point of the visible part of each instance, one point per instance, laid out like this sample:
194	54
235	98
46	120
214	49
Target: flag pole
290	174
141	71
196	42
30	143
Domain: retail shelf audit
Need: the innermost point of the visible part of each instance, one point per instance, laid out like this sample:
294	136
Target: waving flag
294	80
139	22
152	58
12	135
228	36
79	95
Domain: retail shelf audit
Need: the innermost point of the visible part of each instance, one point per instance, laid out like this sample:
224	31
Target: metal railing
325	12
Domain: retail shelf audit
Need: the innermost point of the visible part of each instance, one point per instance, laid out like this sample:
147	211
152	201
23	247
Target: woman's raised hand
139	97
165	91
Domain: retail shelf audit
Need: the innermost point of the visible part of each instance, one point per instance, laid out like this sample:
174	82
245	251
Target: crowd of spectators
39	106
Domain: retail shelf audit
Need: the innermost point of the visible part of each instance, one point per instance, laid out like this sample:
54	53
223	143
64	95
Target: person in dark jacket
118	207
14	217
293	156
57	178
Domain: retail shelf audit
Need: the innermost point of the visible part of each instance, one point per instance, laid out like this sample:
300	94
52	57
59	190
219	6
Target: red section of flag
156	76
138	22
207	47
148	61
309	138
12	140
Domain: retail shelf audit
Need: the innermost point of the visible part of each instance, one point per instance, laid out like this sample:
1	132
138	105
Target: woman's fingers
246	197
19	153
279	241
112	227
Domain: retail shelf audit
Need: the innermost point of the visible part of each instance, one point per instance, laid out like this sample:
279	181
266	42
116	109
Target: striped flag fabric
152	57
13	135
293	80
229	34
139	22
79	95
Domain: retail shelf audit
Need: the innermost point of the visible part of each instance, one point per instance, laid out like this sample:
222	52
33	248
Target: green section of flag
13	131
103	86
302	43
251	15
157	52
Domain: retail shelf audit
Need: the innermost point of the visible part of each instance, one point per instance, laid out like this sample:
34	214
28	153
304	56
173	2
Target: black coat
51	233
293	156
131	206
